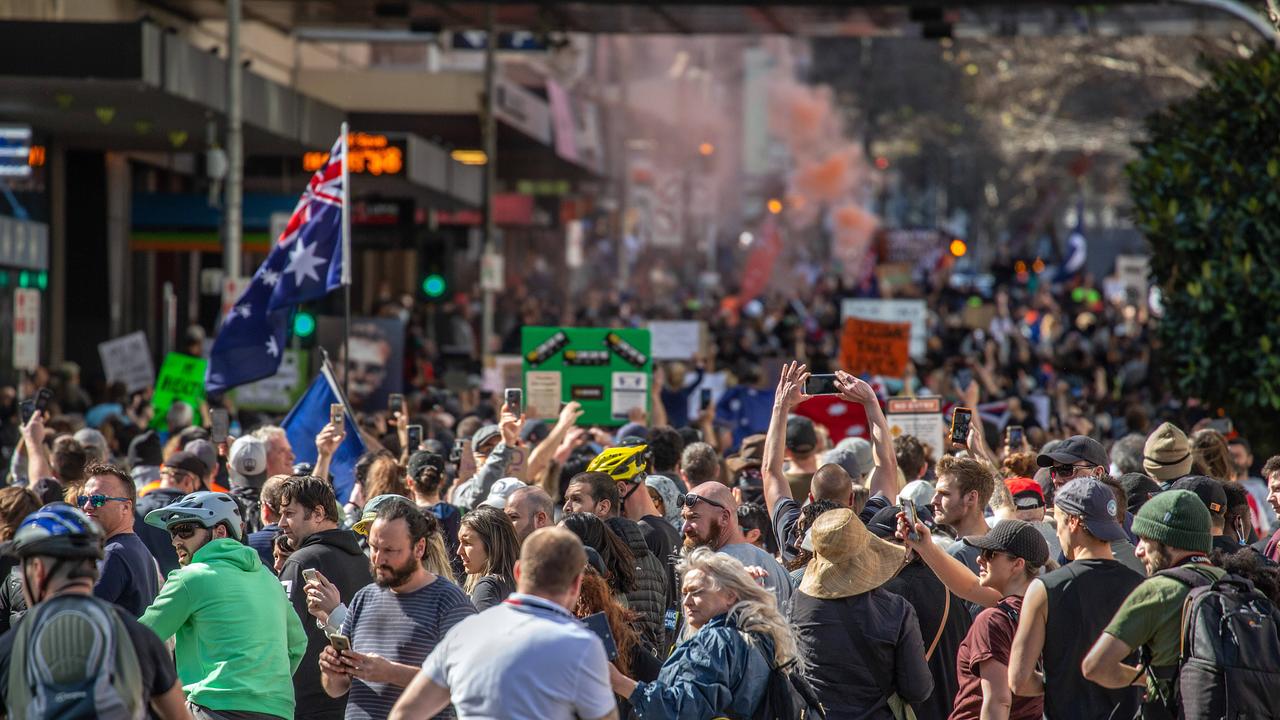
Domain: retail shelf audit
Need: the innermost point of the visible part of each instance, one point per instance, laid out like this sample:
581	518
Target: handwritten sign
868	347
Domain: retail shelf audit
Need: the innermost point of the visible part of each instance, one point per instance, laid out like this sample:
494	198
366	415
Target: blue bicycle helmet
205	507
56	530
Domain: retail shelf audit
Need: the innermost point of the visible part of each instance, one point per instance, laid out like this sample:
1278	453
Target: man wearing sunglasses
1077	456
128	575
711	520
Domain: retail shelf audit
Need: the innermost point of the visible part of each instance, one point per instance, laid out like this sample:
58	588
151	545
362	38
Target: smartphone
395	404
599	624
219	424
1014	436
28	408
964	376
821	385
43	397
960	421
310	574
337	415
341	643
909	509
415	437
514	398
455	456
704	398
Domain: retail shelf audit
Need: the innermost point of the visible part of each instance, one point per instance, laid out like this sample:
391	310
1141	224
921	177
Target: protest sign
874	348
377	349
127	360
908	311
181	379
609	372
279	392
675	339
920	418
26	329
504	373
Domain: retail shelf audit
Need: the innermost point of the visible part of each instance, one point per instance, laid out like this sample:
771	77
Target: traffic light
304	324
958	247
434	286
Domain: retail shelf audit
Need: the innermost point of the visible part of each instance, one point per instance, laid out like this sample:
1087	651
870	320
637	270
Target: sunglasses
691	500
184	532
97	500
1067	470
989	554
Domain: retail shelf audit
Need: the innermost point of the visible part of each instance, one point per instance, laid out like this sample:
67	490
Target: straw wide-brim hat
847	559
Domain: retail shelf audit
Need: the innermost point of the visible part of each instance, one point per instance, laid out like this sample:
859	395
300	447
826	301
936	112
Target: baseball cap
534	431
1139	489
1018	538
1093	501
1026	493
247	461
204	450
188	462
1075	449
484	435
144	449
632	430
422	459
1210	492
920	492
854	455
801	436
370	512
502	490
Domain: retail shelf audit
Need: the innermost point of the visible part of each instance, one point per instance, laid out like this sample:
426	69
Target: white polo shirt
524	658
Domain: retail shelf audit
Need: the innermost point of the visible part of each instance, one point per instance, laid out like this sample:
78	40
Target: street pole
489	131
235	147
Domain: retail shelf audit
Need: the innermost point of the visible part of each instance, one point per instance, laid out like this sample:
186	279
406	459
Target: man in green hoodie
238	640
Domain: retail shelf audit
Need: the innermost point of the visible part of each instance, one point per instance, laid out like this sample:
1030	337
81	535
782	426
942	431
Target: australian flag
305	264
309	417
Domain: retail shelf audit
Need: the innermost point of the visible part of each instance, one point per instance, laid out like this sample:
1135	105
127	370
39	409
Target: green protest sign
607	370
181	378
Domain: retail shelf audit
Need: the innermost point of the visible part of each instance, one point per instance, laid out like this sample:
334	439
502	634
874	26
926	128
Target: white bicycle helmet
205	507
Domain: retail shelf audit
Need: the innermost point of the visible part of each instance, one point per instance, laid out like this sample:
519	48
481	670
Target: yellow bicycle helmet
623	463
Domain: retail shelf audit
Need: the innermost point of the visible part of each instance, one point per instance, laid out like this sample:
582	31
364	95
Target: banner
609	371
908	311
26	329
127	359
377	358
875	348
181	379
676	339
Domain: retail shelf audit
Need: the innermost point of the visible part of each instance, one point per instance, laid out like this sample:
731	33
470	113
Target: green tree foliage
1206	193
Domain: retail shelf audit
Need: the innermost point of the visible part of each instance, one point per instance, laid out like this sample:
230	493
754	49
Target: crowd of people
675	567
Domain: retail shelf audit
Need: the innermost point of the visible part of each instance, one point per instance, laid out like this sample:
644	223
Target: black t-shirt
127	575
786	513
154	660
925	592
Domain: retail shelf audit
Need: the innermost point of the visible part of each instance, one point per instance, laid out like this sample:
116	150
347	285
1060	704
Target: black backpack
1229	665
787	693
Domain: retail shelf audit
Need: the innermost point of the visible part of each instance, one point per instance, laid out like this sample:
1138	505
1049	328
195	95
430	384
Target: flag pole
346	263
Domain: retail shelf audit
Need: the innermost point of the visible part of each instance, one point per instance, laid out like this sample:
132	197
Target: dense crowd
736	559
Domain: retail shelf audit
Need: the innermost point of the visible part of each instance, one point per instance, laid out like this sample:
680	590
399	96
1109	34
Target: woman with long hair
634	660
386	478
619	562
734	633
489	549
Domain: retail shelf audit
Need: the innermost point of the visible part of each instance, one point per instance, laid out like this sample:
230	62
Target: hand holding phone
341	643
909	509
598	623
514	399
337	415
1014	436
704	398
961	419
415	438
310	574
395	406
821	385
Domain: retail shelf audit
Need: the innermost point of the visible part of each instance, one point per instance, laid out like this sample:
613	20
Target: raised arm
954	574
541	456
884	478
790	393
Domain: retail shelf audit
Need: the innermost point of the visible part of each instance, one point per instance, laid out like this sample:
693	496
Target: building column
119	224
57	295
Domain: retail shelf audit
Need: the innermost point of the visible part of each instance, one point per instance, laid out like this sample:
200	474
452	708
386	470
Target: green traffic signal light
42	280
24	279
304	323
433	285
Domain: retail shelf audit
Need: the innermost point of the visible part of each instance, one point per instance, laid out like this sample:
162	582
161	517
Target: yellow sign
367	153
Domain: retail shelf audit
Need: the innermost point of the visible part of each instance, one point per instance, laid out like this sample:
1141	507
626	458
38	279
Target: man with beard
1174	531
394	624
711	519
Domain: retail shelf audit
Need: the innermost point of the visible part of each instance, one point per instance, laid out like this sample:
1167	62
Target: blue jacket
713	674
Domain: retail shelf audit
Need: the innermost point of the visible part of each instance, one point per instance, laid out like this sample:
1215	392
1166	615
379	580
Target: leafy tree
1206	193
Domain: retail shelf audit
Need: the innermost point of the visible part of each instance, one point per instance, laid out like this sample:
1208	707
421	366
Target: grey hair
1126	454
757	608
266	432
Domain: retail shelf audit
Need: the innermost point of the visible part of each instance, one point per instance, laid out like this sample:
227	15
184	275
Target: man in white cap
247	468
502	490
95	445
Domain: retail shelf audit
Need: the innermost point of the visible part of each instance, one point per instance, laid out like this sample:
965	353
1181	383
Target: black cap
183	460
1210	492
534	431
1138	488
884	524
1015	537
422	459
1077	448
801	436
144	449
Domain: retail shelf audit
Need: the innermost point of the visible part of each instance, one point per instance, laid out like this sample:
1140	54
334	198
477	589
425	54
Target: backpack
107	687
1229	664
787	693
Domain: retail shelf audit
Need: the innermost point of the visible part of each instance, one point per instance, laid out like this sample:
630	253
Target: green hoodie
238	638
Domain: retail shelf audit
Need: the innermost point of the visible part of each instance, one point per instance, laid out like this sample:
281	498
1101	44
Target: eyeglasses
185	531
691	500
98	500
1067	470
987	555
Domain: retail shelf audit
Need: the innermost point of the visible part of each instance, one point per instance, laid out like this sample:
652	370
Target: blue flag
304	264
1077	250
305	421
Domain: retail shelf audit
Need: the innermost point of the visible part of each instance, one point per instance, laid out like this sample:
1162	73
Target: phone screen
960	421
704	398
964	376
43	396
28	408
220	423
909	508
395	403
599	624
1015	436
340	642
513	397
415	437
821	385
337	415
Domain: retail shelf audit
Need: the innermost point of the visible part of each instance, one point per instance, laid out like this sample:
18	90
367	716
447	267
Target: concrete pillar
57	296
119	227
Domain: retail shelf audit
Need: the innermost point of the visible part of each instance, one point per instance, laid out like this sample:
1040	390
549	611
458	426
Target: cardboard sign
127	359
608	371
675	339
908	311
921	418
181	379
26	329
279	392
875	348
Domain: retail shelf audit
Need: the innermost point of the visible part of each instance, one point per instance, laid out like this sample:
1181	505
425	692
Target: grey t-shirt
1123	552
779	581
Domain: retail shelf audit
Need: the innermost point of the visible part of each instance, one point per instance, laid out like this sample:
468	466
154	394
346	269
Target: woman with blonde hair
386	477
735	634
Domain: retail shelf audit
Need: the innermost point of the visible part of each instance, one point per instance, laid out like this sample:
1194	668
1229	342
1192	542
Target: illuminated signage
368	153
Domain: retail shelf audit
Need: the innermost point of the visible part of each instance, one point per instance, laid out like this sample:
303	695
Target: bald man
530	508
710	517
